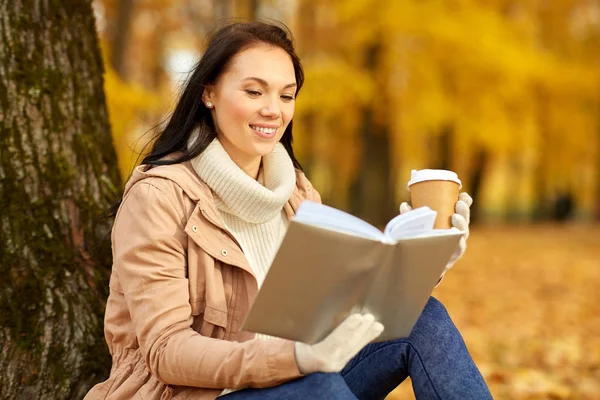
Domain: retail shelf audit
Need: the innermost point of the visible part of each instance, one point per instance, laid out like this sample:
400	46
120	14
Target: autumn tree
503	92
58	173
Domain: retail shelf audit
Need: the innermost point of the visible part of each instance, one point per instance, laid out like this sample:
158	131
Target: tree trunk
121	36
58	173
372	193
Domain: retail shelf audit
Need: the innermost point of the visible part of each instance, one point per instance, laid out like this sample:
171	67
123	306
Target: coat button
195	228
224	252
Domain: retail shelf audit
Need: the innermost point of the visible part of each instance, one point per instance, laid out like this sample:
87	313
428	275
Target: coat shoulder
177	181
305	189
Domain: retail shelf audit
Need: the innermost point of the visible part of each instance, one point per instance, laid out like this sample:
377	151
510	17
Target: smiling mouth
268	131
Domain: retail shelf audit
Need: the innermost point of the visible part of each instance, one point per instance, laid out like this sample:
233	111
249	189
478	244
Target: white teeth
265	130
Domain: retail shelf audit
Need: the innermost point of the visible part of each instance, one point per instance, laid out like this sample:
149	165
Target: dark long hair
190	113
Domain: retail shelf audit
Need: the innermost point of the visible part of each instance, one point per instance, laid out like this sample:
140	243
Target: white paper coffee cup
438	190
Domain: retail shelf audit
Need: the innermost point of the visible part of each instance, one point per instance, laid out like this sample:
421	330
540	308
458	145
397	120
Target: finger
352	322
372	329
404	208
463	209
378	327
353	343
458	253
464	196
346	333
354	338
459	222
373	333
462	246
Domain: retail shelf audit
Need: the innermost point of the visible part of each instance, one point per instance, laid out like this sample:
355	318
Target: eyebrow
265	83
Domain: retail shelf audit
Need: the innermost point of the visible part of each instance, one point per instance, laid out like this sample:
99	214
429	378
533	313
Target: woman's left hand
460	220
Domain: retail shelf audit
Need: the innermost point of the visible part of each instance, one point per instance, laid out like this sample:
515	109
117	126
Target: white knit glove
333	353
461	220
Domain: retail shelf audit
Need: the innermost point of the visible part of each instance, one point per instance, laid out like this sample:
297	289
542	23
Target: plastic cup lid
424	175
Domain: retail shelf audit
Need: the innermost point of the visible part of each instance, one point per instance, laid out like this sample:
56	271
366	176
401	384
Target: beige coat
179	291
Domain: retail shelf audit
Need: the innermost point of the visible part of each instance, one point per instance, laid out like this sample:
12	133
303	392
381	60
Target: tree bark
58	173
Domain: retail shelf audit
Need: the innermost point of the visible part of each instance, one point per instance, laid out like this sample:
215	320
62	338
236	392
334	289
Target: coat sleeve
313	194
149	251
316	196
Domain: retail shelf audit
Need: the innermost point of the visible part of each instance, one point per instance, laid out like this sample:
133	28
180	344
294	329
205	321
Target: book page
317	279
316	214
412	223
403	286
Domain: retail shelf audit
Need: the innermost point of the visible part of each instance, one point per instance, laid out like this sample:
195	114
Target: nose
270	108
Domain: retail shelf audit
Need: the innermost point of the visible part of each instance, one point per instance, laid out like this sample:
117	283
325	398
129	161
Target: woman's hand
333	353
460	220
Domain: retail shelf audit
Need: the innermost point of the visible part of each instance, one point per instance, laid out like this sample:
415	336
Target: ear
208	94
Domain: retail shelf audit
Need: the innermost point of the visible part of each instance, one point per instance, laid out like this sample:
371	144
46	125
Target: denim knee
327	386
434	323
318	385
435	307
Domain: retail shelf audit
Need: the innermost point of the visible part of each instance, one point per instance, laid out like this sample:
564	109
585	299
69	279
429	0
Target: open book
331	264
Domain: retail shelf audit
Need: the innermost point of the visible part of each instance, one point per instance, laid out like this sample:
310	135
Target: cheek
238	111
288	112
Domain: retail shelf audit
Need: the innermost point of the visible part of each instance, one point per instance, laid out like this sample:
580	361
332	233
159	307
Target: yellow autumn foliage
493	73
516	81
127	103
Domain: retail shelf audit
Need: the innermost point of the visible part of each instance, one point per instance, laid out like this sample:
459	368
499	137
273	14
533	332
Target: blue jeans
434	355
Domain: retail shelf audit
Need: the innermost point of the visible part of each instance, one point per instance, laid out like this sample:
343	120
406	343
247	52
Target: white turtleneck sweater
251	211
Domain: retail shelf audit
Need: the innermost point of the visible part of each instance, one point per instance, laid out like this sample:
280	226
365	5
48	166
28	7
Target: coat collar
205	211
184	176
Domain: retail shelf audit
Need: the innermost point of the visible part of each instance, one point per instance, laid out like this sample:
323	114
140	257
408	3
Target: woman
193	238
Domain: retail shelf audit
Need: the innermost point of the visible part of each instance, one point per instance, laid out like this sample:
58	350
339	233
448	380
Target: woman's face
253	103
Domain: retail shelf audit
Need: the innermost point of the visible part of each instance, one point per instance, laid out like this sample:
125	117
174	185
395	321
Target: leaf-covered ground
527	301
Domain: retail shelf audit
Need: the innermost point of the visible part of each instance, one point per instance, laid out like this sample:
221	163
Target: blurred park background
504	92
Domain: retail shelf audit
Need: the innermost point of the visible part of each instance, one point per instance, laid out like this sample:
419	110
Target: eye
287	97
253	92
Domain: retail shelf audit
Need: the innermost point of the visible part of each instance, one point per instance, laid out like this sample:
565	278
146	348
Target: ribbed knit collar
237	193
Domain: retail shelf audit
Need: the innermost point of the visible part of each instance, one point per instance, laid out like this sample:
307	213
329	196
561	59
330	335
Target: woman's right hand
333	353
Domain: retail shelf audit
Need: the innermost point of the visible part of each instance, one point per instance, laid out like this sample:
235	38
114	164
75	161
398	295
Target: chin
264	148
